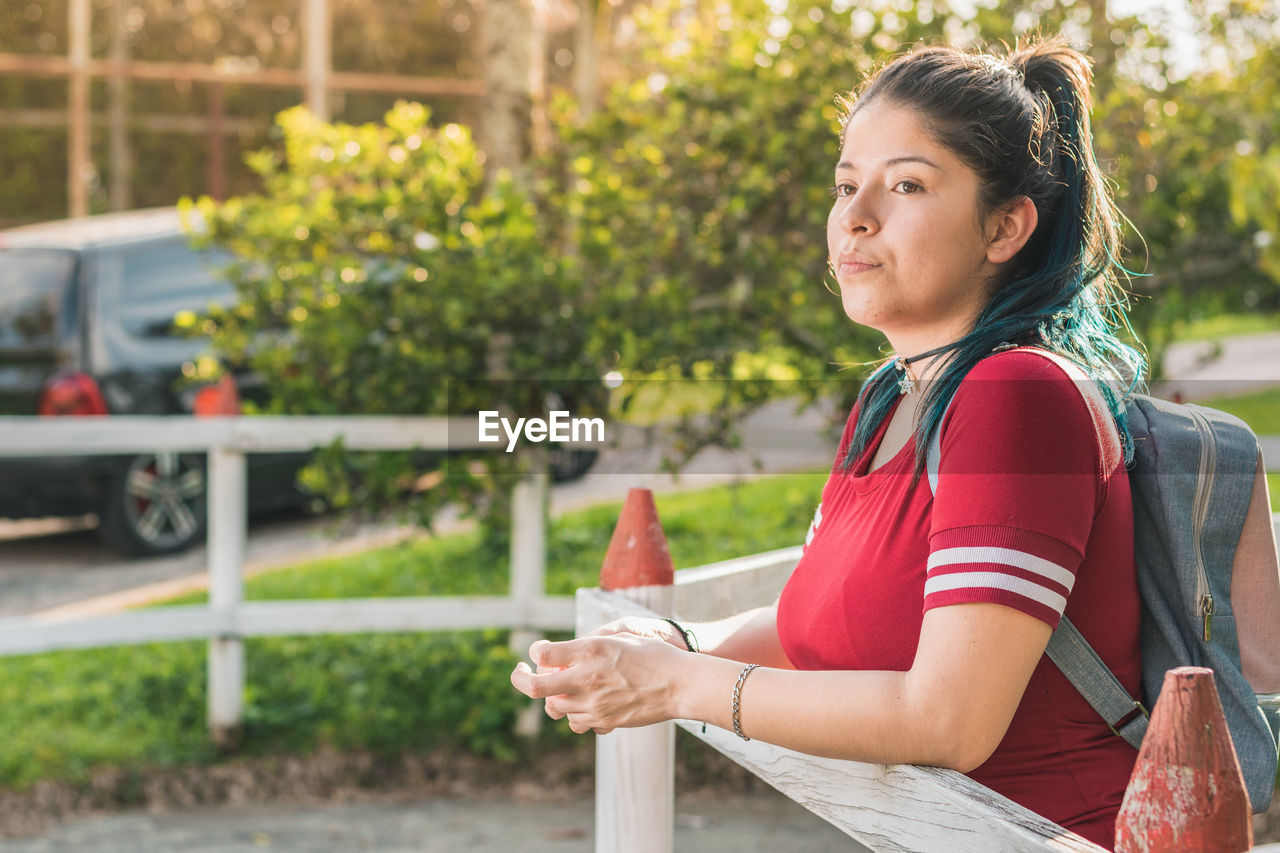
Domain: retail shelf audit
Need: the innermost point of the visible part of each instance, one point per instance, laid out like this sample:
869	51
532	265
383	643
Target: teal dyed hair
1022	124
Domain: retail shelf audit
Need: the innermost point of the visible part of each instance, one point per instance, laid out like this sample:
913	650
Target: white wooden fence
227	619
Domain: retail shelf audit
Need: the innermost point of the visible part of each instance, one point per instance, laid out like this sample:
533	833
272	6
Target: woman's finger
540	685
519	676
548	654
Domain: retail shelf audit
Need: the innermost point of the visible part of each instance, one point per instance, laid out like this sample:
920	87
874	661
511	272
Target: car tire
570	463
156	504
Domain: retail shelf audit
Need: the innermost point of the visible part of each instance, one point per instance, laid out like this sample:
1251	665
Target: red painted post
638	553
1186	792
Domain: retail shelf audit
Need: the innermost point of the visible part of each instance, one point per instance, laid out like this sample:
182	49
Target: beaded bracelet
737	699
690	641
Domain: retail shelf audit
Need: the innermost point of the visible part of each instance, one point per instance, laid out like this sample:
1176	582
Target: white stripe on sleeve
1004	557
996	580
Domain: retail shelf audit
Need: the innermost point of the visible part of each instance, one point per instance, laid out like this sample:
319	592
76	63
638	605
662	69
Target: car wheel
570	463
156	504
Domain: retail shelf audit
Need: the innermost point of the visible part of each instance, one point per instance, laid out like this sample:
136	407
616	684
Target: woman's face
904	234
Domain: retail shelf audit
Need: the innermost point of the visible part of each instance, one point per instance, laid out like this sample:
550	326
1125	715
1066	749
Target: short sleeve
1025	458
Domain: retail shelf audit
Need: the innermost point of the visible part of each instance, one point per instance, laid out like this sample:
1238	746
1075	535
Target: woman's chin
863	315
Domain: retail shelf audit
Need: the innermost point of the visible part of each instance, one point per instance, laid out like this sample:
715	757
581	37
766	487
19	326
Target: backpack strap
1068	649
1077	660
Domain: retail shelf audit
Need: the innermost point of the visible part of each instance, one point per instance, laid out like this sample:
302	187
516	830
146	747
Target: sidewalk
1198	370
737	823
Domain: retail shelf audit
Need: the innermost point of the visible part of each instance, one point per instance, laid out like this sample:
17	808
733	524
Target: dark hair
1022	124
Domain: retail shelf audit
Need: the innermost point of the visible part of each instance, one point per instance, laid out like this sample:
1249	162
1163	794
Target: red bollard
638	553
1187	793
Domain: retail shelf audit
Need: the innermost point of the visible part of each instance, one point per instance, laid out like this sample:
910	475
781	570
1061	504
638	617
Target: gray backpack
1208	577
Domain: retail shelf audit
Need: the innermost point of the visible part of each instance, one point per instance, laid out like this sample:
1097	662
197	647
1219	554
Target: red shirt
1032	511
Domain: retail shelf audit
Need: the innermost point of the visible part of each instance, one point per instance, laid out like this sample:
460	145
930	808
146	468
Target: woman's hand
601	682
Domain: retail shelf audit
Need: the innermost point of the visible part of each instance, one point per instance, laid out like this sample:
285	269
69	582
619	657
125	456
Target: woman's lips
852	267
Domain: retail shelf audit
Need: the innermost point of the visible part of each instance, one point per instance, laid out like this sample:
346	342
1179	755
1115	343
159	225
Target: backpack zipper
1204	485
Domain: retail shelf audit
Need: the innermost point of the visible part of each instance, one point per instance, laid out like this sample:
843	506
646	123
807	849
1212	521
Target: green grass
652	401
64	714
1261	411
1226	326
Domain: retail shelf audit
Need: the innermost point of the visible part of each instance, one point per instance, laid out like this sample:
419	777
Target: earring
831	271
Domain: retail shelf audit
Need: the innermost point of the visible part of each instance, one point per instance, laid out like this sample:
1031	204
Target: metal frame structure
316	79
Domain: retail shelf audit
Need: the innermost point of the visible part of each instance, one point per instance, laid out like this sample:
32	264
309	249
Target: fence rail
228	619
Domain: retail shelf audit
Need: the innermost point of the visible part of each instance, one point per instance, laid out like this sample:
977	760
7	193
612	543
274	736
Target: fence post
79	13
317	33
226	508
529	499
635	768
1186	791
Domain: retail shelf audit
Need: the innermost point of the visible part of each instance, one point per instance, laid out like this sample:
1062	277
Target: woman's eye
841	190
909	187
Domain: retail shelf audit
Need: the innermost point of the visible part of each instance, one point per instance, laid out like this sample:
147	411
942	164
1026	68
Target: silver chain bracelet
737	699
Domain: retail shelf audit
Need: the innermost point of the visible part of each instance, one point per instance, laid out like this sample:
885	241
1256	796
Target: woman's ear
1010	229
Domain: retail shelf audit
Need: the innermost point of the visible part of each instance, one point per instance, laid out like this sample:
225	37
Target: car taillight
75	394
221	398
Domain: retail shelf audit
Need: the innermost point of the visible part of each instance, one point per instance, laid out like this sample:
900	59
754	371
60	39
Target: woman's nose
858	213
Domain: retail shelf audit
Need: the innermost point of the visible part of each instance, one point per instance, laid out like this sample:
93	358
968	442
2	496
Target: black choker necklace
906	384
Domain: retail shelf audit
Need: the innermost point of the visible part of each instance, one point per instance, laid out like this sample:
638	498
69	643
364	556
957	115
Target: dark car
86	328
87	310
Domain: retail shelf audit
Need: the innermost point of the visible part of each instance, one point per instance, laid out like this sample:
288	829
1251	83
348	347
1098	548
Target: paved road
59	569
1204	369
767	823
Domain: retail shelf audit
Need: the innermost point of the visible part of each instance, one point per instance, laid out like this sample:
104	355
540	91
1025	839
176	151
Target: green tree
378	275
1173	144
696	190
678	229
1254	167
718	146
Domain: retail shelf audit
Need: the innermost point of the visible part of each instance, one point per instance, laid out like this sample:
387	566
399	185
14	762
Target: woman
970	225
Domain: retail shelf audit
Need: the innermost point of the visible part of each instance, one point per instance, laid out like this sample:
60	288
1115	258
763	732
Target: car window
35	295
157	281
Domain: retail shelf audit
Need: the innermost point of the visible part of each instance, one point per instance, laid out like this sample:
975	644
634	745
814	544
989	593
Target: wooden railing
885	807
227	619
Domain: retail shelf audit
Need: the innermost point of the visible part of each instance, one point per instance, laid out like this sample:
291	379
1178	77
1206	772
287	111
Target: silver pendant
905	383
